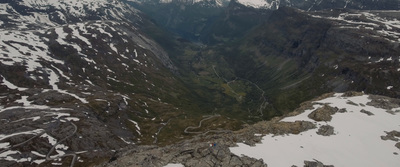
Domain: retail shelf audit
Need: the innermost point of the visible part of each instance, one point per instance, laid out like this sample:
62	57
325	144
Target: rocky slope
212	150
301	4
212	22
323	4
79	79
296	55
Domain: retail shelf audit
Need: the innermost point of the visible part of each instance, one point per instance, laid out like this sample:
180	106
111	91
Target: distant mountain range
301	4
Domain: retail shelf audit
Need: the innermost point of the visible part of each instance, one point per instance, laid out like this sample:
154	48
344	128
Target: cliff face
316	126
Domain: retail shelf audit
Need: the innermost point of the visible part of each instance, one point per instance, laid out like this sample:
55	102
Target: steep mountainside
79	79
188	20
213	22
297	55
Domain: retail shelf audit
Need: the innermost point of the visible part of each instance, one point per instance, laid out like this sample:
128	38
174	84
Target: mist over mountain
111	82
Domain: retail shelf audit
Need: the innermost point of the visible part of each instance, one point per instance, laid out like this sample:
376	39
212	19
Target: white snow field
356	140
174	165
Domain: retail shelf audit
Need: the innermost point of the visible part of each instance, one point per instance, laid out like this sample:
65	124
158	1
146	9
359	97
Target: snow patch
356	141
260	3
32	132
11	86
174	165
137	126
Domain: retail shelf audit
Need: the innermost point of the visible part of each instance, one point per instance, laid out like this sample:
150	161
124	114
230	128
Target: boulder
323	114
326	130
315	163
367	112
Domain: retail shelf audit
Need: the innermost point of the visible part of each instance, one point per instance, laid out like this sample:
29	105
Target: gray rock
323	114
326	130
257	164
315	163
235	161
296	127
352	93
352	103
367	112
383	102
392	135
342	110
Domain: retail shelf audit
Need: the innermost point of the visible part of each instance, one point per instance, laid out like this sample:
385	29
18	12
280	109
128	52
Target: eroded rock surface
323	114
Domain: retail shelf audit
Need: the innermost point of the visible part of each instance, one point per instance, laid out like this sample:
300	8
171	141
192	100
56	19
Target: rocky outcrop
201	151
366	112
326	130
392	135
352	94
323	114
384	102
342	110
281	128
315	163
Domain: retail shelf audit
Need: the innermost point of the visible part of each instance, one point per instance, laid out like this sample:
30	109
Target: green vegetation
250	70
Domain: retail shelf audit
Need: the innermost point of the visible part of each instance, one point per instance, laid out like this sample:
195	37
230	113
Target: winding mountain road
200	123
48	158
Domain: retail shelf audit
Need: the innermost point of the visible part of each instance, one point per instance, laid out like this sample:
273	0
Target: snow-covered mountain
265	4
74	76
310	5
80	79
301	4
206	3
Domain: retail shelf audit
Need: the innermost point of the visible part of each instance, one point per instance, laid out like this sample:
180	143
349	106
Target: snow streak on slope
24	48
267	4
356	141
36	14
77	8
213	3
382	24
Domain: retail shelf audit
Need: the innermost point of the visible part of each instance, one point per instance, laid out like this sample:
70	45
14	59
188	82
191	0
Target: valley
87	83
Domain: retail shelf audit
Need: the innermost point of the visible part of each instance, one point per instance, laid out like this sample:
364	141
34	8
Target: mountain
311	5
79	79
187	19
84	82
204	3
211	22
296	55
299	49
345	4
335	129
308	5
265	4
207	24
